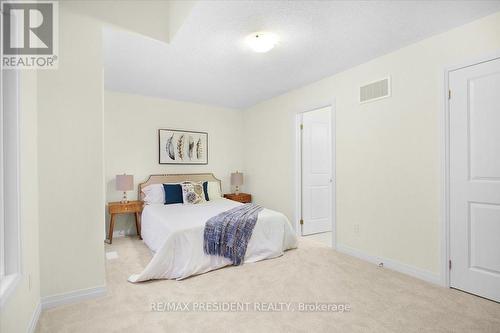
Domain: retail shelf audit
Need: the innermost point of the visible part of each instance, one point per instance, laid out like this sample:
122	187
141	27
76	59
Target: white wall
159	20
388	152
179	10
147	17
70	151
20	308
131	124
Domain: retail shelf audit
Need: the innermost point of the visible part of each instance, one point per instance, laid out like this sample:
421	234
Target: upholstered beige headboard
177	178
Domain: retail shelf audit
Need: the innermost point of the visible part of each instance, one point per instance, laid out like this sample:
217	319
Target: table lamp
237	180
124	183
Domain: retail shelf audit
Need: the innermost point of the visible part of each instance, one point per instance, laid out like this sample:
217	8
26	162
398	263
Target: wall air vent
375	90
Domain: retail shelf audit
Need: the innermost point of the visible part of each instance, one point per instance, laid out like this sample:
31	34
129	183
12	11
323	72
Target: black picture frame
185	154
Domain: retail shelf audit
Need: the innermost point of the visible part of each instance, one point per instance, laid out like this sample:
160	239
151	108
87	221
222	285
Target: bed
174	233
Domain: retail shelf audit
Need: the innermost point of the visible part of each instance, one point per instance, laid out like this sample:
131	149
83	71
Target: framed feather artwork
182	147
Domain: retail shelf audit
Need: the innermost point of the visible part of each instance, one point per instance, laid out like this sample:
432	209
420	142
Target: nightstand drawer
131	207
241	197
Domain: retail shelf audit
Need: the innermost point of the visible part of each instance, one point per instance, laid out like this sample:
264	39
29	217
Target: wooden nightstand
241	197
131	207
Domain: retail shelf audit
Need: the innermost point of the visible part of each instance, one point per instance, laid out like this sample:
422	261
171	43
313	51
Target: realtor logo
30	31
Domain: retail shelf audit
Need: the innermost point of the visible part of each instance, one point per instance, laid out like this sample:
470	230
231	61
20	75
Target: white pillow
214	191
154	194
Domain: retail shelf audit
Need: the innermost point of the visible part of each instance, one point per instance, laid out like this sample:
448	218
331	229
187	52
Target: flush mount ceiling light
262	41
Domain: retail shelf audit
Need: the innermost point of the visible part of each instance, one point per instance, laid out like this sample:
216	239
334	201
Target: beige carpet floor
380	300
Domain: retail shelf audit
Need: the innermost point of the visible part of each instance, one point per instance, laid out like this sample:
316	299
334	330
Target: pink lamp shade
124	182
237	179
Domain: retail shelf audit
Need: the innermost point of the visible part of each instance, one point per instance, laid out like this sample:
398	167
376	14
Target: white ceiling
207	61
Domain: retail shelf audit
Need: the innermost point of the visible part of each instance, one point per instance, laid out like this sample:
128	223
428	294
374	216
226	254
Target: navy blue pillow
205	189
173	193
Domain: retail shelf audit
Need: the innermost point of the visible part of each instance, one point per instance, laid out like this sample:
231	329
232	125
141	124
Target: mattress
175	235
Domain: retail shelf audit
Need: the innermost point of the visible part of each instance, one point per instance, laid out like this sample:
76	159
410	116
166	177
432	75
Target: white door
475	179
316	171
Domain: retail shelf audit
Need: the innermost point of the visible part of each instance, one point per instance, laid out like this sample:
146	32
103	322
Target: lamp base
237	190
124	199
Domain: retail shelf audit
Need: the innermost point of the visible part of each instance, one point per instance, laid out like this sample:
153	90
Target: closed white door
316	171
475	179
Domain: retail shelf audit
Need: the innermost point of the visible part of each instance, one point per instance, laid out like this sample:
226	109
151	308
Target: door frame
445	164
298	169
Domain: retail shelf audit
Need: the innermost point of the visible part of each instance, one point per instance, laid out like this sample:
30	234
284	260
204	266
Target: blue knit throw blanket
228	233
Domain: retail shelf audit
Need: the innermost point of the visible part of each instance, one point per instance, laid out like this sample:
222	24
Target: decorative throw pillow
205	190
192	193
173	193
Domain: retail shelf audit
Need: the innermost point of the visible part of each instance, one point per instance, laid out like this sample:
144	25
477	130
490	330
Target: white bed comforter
175	234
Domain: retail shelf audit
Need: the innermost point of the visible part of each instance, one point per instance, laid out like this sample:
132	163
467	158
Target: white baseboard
118	234
34	318
123	233
392	264
49	302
